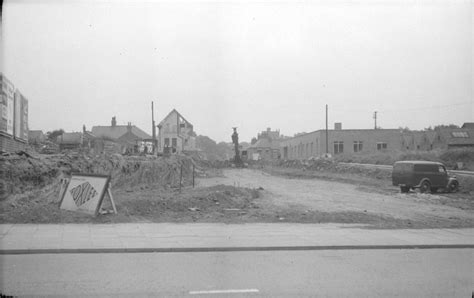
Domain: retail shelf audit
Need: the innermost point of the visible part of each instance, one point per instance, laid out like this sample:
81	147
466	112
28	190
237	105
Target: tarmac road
334	273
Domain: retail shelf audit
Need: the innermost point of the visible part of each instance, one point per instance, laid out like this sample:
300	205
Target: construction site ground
147	190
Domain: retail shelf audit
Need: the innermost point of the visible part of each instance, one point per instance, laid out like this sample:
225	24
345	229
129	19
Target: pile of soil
220	203
20	174
144	204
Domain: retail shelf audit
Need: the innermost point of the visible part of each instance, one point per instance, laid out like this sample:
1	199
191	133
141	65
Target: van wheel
425	187
404	189
453	187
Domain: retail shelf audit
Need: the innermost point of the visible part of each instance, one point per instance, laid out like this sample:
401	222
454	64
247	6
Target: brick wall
313	144
8	144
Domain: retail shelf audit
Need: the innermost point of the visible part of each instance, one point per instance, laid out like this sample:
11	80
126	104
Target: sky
244	64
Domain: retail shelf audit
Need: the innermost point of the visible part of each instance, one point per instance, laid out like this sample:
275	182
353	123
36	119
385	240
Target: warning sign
85	192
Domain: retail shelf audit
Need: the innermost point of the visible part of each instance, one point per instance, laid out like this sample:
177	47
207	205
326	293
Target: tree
442	126
52	135
211	149
438	127
404	129
253	141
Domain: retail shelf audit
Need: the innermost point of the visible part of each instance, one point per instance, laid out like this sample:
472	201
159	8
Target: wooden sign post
85	193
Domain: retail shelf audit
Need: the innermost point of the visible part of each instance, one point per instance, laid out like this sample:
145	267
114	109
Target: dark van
428	176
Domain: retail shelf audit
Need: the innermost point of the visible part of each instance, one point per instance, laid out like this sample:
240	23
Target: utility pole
327	145
375	118
153	128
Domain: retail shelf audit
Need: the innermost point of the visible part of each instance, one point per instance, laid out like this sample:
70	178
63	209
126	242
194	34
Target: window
357	146
460	134
338	147
426	168
381	146
174	142
307	150
312	149
167	142
441	169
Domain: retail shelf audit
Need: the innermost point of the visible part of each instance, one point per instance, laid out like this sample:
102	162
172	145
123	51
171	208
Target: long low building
340	141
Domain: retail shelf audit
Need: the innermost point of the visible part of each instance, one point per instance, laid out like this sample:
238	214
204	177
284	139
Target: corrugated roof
115	132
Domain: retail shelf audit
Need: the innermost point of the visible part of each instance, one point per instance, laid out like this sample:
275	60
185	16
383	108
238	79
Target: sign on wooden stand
85	193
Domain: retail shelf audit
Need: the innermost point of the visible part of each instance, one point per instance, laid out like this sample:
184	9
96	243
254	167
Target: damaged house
176	134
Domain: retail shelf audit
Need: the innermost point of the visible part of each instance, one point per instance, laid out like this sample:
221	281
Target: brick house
267	146
448	138
126	136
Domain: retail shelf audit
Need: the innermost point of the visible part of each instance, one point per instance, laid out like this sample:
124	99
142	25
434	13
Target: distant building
13	117
70	140
341	141
468	125
36	137
449	138
127	136
267	146
176	134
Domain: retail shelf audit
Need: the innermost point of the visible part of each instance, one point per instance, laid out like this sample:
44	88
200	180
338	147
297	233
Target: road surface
335	273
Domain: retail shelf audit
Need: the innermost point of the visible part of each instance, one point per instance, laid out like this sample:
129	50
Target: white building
175	134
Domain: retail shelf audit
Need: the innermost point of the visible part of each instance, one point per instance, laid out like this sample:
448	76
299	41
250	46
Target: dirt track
428	210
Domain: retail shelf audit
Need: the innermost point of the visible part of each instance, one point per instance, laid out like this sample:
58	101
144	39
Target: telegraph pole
375	118
153	129
327	145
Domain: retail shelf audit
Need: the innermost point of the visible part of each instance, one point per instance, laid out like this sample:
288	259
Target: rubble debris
21	173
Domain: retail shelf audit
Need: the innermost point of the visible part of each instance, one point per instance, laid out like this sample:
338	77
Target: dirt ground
376	203
147	191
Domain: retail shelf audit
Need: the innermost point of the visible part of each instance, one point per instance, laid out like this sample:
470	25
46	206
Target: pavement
169	237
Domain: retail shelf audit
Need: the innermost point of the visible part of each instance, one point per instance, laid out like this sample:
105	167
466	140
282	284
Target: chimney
268	128
337	126
129	126
114	121
83	128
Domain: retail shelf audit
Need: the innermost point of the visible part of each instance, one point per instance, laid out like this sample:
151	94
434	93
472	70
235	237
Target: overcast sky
250	65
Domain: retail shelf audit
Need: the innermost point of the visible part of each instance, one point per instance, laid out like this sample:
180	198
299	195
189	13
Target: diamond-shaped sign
83	193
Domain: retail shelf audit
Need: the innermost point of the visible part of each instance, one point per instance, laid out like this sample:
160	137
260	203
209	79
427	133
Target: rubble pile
309	164
19	174
330	165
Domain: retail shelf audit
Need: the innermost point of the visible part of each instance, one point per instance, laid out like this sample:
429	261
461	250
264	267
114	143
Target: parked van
426	175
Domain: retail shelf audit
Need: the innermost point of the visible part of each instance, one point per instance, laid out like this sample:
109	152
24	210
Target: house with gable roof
448	138
126	136
176	134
